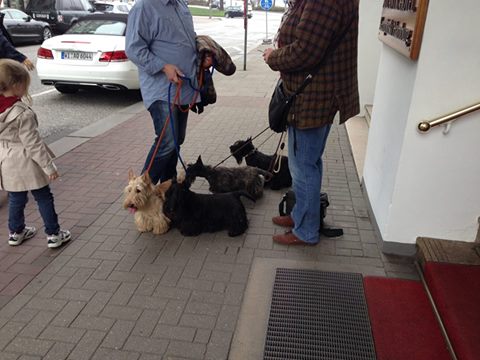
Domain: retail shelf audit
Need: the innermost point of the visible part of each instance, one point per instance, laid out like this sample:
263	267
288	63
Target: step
447	251
455	289
403	322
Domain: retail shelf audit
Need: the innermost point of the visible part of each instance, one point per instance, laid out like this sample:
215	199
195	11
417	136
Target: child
26	163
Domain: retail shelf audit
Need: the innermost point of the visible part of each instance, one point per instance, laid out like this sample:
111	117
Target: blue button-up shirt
161	32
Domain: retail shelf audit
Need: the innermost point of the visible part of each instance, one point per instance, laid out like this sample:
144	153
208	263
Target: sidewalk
113	293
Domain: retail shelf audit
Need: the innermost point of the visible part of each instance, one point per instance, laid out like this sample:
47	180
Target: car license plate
77	55
40	16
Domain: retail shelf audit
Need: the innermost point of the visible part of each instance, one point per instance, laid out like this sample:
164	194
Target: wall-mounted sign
401	26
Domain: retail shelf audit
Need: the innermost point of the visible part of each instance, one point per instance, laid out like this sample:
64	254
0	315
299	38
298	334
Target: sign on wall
401	25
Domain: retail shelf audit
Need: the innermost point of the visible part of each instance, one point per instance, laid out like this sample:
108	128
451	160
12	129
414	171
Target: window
41	5
98	27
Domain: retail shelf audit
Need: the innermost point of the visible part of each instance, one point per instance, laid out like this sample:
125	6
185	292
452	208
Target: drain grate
318	315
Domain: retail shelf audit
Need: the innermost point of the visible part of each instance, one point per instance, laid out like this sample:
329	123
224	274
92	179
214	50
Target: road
60	114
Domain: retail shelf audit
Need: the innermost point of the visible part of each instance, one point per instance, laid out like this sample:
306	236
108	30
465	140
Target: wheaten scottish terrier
145	200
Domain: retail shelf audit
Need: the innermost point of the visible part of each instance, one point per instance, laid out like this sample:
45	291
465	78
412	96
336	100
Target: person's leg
162	162
18	232
16	207
180	125
305	165
46	206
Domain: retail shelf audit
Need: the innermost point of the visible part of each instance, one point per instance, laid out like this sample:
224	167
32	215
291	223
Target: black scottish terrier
194	213
223	179
245	149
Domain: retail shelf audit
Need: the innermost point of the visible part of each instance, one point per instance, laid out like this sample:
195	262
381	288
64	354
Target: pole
245	22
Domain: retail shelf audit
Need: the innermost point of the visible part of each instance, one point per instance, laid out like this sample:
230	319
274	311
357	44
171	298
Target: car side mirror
27	18
92	10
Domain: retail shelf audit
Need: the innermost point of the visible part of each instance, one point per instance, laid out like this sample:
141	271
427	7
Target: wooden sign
401	26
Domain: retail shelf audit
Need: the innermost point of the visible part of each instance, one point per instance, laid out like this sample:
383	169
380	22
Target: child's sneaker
55	241
15	239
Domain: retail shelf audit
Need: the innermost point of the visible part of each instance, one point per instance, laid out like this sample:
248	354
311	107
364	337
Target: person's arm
8	51
320	22
139	35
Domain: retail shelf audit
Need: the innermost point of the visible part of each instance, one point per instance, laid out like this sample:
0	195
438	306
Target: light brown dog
145	200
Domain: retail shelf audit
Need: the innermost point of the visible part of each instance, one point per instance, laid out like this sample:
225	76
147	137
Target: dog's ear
131	175
199	160
146	178
162	188
249	139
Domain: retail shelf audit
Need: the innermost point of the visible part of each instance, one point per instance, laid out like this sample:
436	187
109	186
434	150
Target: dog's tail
241	193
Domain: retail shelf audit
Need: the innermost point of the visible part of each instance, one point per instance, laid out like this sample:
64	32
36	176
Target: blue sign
266	4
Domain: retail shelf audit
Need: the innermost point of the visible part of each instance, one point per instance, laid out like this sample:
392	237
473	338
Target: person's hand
28	64
54	176
207	61
173	73
266	54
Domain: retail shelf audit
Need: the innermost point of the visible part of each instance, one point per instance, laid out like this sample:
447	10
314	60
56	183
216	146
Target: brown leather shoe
290	239
285	221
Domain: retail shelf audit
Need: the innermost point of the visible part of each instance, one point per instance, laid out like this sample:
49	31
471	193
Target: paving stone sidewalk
113	293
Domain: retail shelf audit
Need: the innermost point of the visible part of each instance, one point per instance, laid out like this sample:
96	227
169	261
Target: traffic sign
266	4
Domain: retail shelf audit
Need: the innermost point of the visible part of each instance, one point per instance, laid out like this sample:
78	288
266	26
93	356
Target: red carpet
456	291
403	324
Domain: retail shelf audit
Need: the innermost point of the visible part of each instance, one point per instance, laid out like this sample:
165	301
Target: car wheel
66	89
227	15
46	34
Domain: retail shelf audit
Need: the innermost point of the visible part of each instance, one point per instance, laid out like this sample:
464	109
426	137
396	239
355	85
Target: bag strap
330	50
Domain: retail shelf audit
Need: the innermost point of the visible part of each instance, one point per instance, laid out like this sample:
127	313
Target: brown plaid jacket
303	38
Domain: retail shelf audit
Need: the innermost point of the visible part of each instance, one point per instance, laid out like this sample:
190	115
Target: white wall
368	50
428	184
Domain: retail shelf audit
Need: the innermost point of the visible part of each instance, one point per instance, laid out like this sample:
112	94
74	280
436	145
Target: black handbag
280	103
279	108
288	201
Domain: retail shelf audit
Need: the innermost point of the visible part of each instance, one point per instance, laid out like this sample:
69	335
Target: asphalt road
60	114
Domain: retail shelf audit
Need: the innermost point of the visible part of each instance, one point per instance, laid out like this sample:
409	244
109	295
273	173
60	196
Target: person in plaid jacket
304	40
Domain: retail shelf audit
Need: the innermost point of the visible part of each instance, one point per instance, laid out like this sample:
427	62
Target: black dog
223	179
245	149
196	213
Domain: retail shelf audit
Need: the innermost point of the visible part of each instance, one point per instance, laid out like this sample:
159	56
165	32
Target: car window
123	8
7	14
41	5
98	27
17	14
103	7
63	5
77	5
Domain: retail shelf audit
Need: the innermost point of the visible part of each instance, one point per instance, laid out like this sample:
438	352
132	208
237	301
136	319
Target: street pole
266	5
245	22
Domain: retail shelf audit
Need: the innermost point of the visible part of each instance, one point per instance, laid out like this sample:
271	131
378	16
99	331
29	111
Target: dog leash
241	147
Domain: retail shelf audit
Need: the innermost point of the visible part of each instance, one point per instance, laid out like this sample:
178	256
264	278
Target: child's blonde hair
13	73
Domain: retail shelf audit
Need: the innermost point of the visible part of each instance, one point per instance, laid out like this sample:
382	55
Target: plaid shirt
304	37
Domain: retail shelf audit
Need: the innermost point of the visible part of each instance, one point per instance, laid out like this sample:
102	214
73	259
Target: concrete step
448	251
357	129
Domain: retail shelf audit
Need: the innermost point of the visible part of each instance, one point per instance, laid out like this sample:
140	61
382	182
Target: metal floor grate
318	315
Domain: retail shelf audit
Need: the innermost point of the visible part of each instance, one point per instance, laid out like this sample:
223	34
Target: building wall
427	184
368	50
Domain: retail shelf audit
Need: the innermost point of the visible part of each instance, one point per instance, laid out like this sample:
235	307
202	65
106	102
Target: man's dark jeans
16	207
164	165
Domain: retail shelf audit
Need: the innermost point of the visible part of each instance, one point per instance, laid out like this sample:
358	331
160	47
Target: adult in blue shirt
8	51
160	40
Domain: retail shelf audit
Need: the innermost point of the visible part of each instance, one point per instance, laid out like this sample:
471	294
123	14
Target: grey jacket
25	160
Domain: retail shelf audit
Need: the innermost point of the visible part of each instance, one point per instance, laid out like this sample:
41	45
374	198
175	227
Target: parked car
60	14
22	28
90	54
237	11
115	7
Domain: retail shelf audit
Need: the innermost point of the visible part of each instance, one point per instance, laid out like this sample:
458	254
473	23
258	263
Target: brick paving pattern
113	293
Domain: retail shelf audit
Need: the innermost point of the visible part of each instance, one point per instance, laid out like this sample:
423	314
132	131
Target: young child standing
26	162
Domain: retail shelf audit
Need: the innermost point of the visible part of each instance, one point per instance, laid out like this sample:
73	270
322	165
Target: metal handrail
424	126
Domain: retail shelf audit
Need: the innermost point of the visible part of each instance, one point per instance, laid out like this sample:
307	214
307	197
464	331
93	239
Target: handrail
424	126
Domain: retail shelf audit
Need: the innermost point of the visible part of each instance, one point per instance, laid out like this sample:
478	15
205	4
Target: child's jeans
16	206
